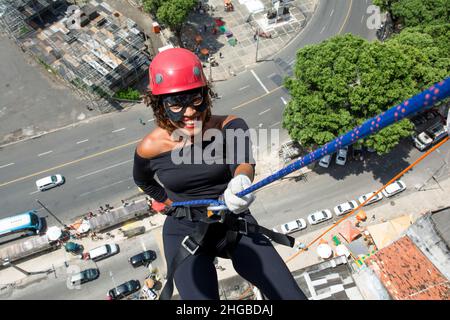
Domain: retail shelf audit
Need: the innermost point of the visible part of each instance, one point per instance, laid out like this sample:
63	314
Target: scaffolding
105	53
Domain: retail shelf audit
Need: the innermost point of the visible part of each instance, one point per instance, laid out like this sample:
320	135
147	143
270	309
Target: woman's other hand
237	184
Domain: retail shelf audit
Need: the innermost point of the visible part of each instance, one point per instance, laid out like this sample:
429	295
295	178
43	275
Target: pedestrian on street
179	95
255	37
220	55
141	121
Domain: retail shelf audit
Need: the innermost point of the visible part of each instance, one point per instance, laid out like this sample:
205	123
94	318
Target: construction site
92	46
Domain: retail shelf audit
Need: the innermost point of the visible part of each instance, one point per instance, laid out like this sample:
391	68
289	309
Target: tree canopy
174	13
340	83
416	12
152	6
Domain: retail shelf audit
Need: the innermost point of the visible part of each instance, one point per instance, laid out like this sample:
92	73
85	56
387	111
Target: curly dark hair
159	112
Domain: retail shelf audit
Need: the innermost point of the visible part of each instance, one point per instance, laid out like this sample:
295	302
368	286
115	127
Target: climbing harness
232	225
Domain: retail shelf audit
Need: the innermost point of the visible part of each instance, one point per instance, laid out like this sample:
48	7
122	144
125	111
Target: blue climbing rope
425	99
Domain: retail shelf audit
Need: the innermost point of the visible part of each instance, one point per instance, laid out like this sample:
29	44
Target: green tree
152	6
174	14
416	12
342	82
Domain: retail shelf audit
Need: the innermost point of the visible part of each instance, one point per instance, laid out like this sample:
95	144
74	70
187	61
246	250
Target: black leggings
254	259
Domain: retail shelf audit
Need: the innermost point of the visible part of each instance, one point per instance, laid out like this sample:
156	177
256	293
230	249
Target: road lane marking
290	63
118	130
7	165
152	119
332	11
255	99
259	80
284	101
101	170
275	124
70	163
264	111
271	75
34	192
346	18
243	88
362	19
43	154
323	29
105	187
86	140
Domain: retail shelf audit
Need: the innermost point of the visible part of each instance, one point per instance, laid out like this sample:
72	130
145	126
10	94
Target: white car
325	161
345	207
49	182
422	141
366	196
341	157
319	216
394	188
296	225
104	251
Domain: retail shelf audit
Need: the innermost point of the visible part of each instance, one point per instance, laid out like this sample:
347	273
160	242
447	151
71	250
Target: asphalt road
114	271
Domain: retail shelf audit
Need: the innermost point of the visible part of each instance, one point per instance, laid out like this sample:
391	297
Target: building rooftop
441	220
407	273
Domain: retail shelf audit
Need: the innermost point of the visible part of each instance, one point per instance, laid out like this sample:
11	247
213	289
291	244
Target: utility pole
56	218
257	44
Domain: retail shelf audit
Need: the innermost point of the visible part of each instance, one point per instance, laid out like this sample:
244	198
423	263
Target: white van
103	251
49	182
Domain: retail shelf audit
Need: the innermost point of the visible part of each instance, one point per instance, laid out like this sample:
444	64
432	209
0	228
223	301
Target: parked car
325	161
50	182
125	289
84	276
103	251
430	136
345	207
394	188
341	157
424	117
319	216
422	140
143	258
296	225
366	196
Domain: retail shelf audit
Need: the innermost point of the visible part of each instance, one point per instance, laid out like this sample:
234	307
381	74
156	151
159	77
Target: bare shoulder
153	144
228	119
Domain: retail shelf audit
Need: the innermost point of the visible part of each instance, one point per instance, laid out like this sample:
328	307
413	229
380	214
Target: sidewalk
232	57
56	259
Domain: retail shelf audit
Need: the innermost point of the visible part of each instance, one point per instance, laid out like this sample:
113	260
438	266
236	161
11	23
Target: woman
179	97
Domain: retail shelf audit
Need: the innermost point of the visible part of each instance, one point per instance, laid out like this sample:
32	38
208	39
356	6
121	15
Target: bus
27	222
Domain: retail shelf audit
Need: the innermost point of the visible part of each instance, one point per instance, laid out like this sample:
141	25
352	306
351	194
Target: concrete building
93	47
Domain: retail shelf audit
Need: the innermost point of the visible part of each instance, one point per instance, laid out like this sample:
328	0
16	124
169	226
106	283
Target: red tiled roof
407	273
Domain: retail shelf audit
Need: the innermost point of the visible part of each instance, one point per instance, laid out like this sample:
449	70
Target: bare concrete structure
93	47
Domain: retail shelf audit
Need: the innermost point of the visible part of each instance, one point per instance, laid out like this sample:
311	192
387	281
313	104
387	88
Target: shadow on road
383	168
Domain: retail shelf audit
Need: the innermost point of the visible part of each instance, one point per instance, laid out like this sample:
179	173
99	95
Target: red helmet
175	70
